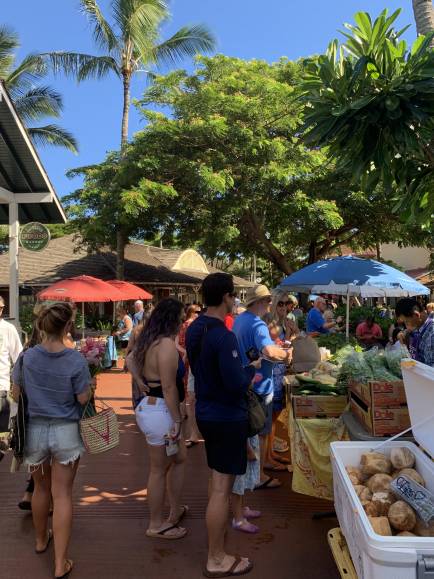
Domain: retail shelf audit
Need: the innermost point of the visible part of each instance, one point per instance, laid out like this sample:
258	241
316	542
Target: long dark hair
164	322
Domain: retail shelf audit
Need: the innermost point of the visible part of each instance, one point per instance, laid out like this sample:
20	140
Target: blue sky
244	28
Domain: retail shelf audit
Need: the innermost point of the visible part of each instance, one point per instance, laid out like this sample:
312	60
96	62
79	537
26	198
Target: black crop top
157	391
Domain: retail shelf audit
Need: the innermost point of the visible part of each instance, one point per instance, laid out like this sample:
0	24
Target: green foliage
359	314
33	100
371	102
225	171
334	341
27	318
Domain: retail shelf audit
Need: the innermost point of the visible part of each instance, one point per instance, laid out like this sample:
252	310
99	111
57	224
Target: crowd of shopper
192	369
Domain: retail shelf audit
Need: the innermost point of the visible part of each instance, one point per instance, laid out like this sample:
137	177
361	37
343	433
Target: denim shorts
52	439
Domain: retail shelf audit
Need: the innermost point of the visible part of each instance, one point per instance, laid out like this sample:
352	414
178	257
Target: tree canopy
221	166
370	100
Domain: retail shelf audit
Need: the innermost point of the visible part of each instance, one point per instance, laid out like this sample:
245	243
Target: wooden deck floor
110	519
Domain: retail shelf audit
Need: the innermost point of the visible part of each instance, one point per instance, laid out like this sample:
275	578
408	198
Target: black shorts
226	445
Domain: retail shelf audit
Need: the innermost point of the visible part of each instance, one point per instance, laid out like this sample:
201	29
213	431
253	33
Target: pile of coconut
371	481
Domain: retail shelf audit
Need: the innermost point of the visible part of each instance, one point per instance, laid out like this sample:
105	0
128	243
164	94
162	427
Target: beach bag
305	354
99	429
256	414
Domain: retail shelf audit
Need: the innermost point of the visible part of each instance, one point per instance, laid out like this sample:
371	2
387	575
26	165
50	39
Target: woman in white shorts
159	371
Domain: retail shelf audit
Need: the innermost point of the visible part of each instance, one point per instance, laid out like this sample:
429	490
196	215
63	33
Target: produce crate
380	394
318	406
380	421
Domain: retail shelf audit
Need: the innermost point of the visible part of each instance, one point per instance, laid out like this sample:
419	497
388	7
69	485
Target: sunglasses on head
281	304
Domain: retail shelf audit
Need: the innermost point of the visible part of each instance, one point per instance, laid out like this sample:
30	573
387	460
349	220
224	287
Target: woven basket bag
101	431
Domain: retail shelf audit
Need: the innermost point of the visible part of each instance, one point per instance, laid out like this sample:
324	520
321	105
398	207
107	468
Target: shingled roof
146	265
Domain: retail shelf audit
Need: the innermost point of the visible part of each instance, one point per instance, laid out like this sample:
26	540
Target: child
244	482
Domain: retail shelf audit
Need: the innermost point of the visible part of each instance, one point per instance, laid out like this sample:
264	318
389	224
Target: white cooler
375	556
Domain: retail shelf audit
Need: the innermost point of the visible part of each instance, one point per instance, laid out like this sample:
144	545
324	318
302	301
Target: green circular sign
34	236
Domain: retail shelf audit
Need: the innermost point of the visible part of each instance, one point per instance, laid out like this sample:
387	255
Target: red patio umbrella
83	288
130	291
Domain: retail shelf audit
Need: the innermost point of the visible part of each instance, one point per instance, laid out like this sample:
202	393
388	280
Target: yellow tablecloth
310	451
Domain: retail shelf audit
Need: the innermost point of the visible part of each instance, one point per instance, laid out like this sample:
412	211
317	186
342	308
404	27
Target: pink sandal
251	514
245	526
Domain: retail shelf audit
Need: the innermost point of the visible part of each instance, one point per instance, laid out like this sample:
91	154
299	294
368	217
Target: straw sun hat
256	293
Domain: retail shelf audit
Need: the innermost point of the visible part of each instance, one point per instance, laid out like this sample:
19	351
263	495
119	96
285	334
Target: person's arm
265	345
180	349
16	380
15	347
236	378
81	382
167	360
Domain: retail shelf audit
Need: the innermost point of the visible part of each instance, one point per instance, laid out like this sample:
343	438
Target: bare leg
237	507
62	479
193	433
216	520
41	500
175	482
160	463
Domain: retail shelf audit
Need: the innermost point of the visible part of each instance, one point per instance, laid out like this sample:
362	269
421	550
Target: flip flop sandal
230	572
50	536
250	513
267	484
245	526
276	468
163	534
185	511
70	565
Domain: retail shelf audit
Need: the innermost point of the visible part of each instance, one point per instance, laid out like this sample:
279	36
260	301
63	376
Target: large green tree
33	100
225	170
130	43
370	100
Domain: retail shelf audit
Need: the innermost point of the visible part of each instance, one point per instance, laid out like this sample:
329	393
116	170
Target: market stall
363	380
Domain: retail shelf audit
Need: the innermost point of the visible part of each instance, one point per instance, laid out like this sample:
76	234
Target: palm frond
53	135
81	66
31	69
187	42
8	44
138	17
39	102
103	34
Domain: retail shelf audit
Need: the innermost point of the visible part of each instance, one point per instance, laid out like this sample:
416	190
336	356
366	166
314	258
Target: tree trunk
424	16
120	255
126	111
252	228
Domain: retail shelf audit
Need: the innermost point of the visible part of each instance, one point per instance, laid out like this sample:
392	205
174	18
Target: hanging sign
34	236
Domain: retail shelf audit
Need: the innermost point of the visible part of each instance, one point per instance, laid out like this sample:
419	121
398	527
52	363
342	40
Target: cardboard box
380	394
380	421
317	406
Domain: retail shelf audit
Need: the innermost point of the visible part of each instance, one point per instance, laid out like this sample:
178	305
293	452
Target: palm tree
424	15
32	100
129	46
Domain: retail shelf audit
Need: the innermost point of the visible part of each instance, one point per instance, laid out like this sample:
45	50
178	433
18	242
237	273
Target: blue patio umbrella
353	276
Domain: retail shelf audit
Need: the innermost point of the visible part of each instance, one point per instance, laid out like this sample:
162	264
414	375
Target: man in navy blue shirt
315	323
221	383
255	342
